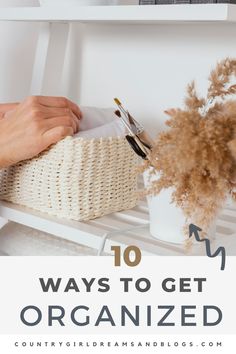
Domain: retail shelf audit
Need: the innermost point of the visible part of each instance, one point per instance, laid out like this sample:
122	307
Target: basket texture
76	179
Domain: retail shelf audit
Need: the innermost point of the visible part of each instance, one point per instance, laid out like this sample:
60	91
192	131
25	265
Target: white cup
167	221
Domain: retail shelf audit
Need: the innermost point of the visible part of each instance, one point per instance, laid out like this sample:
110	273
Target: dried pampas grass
196	155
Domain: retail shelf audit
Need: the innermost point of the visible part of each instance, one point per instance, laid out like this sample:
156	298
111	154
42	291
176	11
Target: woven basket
75	179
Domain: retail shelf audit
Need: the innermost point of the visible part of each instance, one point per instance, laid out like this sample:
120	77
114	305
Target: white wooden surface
125	14
124	228
20	240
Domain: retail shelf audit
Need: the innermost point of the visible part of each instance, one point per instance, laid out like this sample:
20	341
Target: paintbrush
135	129
139	147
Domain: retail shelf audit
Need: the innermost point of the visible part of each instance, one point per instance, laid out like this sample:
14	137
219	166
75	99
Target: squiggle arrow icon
193	229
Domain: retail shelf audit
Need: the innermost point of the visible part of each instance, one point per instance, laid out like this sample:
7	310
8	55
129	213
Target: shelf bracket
49	59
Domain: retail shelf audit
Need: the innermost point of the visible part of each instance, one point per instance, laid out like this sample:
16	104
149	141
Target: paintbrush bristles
117	113
117	101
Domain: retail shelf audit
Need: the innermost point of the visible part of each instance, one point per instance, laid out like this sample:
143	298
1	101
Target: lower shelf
20	240
130	227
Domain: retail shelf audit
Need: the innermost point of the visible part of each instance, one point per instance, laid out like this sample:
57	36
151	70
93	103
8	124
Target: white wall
17	45
147	67
17	49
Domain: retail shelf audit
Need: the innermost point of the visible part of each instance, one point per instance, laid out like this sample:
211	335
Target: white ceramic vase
167	221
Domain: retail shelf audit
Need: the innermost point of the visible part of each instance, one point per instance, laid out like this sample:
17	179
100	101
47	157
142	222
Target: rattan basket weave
75	179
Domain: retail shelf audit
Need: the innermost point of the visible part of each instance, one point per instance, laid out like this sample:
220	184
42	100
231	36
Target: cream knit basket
75	179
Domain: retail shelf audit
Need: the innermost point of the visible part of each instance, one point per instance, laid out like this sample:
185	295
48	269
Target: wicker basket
75	179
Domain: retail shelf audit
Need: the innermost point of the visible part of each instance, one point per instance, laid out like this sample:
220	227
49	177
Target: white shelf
124	14
92	233
110	230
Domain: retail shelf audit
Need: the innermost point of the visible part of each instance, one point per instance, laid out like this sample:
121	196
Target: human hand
32	126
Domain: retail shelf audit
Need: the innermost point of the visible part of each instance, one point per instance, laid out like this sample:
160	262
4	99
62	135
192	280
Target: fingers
76	121
56	134
27	130
49	113
66	121
58	102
